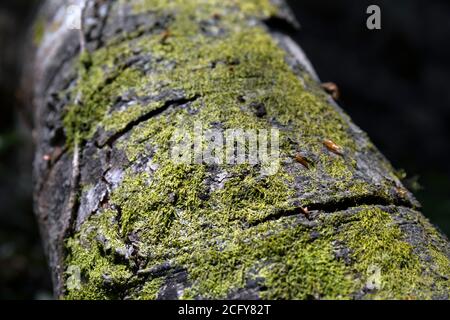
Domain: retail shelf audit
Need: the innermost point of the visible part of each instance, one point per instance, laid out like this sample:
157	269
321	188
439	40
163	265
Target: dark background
394	82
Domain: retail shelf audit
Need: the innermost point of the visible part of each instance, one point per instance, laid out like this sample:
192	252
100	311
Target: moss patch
38	31
376	242
95	256
219	230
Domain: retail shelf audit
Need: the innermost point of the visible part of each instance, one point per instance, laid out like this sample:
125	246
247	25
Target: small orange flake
302	160
165	35
332	89
333	147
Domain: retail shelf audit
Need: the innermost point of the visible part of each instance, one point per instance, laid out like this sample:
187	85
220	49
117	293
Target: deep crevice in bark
145	117
336	206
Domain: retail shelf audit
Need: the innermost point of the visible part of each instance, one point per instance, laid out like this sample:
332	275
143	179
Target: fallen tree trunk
122	220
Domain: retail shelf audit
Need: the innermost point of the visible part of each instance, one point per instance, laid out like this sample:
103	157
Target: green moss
150	289
100	83
376	242
222	255
152	201
222	236
278	256
441	258
306	270
260	64
94	257
253	8
38	31
442	268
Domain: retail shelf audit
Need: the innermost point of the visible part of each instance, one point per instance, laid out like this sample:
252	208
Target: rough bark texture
122	221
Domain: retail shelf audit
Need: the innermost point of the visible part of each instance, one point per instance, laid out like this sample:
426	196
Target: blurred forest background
394	83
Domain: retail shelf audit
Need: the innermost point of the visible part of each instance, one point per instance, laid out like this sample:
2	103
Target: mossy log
121	220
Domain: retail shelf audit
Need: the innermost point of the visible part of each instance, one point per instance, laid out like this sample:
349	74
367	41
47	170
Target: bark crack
170	103
333	206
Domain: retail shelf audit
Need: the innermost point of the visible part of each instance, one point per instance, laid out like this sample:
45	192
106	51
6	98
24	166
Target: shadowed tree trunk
122	220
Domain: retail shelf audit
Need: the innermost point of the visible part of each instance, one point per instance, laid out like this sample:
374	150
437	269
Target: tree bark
121	220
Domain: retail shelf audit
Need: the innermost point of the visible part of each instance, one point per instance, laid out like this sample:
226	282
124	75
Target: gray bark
323	211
